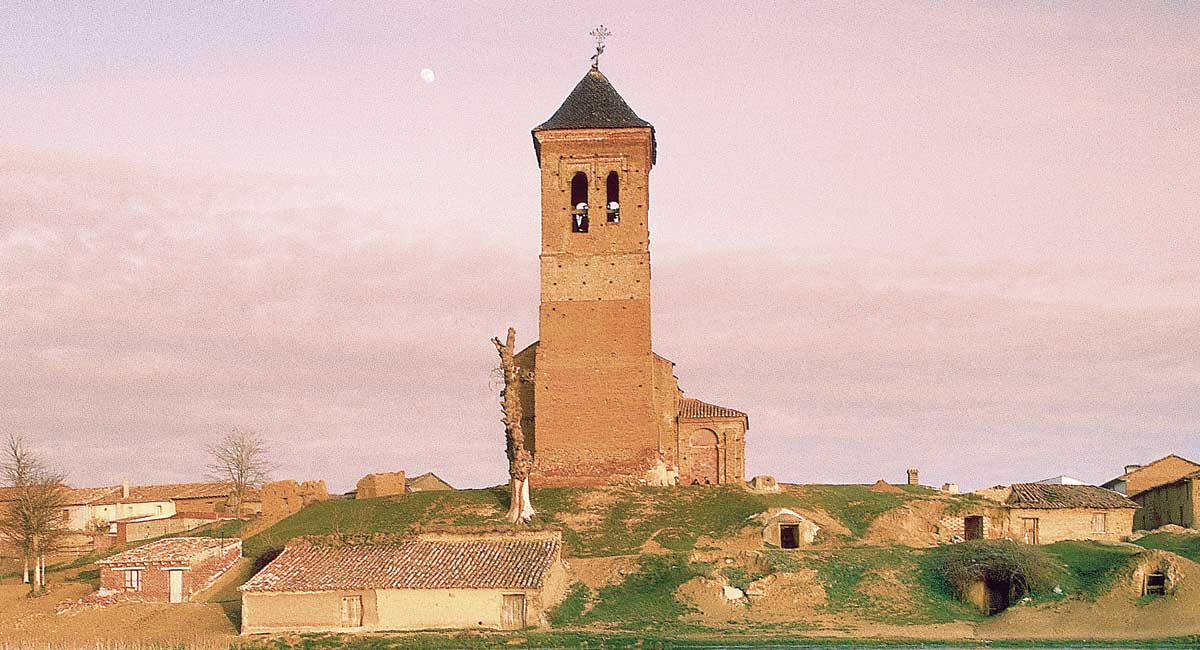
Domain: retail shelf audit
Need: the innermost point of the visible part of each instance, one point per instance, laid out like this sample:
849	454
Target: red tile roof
150	493
492	563
172	549
690	407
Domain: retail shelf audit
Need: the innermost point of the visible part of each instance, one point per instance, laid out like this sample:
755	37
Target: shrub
1029	569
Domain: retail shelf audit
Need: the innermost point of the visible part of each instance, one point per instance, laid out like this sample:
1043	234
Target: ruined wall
1173	503
380	485
666	409
594	386
1166	470
283	498
1058	524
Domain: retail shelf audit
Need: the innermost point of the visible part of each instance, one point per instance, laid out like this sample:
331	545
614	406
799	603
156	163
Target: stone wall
385	484
1058	524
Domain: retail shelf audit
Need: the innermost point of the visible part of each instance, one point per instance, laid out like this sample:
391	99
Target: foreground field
652	564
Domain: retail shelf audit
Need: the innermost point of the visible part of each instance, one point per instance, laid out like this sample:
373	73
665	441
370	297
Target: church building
599	406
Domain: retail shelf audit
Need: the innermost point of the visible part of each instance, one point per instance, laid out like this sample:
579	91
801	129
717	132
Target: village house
1177	502
427	482
170	570
1044	513
95	509
599	406
1138	478
136	529
434	581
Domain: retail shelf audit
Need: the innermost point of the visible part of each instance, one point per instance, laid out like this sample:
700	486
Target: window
612	202
133	580
579	203
1100	522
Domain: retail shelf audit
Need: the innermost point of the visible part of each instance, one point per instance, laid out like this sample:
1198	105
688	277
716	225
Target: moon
427	75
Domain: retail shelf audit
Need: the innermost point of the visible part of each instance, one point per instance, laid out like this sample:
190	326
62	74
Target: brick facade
199	568
599	406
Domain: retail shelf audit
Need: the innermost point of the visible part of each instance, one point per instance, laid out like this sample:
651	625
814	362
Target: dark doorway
1156	584
789	535
1000	594
973	527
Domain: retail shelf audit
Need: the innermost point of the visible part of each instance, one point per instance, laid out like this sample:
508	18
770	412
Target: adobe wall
204	504
304	612
1173	503
136	531
1165	471
384	484
283	498
1058	524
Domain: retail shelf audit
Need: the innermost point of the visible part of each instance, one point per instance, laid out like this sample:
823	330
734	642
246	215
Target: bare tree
239	460
520	460
33	520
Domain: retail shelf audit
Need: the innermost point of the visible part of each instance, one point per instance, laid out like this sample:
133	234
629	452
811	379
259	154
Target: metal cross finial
600	33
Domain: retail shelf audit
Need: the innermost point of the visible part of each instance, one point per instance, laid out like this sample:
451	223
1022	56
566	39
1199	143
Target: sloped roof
690	407
1126	475
427	477
150	493
411	564
594	104
1049	495
172	549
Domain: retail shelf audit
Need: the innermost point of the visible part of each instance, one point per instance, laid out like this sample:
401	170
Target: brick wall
700	464
198	574
594	400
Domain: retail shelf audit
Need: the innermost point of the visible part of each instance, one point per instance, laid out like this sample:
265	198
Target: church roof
594	104
690	407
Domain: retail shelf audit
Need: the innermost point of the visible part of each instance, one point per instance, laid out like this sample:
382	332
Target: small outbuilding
1043	513
785	528
170	570
435	581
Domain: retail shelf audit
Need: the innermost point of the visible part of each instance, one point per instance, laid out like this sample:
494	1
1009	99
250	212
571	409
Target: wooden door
973	527
1029	530
512	617
352	612
175	578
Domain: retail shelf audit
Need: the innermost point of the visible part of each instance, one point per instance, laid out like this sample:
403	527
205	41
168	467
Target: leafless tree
32	521
239	460
520	460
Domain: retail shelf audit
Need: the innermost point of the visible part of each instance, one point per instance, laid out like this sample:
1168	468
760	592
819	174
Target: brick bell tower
594	417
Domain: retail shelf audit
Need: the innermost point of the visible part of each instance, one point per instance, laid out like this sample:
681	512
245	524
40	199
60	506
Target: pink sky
965	239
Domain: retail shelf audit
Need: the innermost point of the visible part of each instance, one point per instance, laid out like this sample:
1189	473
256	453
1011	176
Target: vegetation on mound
1186	545
595	522
1089	566
1030	569
644	599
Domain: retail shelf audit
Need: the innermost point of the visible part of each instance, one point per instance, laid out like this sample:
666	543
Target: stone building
1177	502
1138	478
429	582
600	406
170	570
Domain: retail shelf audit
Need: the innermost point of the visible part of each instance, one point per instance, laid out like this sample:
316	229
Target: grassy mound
596	522
1030	569
1186	545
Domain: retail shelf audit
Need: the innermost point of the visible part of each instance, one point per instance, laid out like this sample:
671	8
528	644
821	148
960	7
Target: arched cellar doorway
703	457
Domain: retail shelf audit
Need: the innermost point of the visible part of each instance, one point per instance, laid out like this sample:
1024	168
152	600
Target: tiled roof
1152	463
149	493
690	407
1045	495
172	549
425	478
593	104
412	564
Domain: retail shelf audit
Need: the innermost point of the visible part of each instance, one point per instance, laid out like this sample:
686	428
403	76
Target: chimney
1132	468
125	489
912	476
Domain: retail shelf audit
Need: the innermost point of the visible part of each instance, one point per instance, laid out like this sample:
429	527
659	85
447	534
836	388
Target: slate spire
593	104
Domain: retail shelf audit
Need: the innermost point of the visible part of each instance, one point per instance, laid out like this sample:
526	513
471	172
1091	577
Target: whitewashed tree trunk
25	569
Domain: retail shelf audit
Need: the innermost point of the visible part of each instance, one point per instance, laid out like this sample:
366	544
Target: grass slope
1186	545
595	522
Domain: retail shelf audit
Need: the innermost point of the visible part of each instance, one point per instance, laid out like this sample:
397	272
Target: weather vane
600	33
